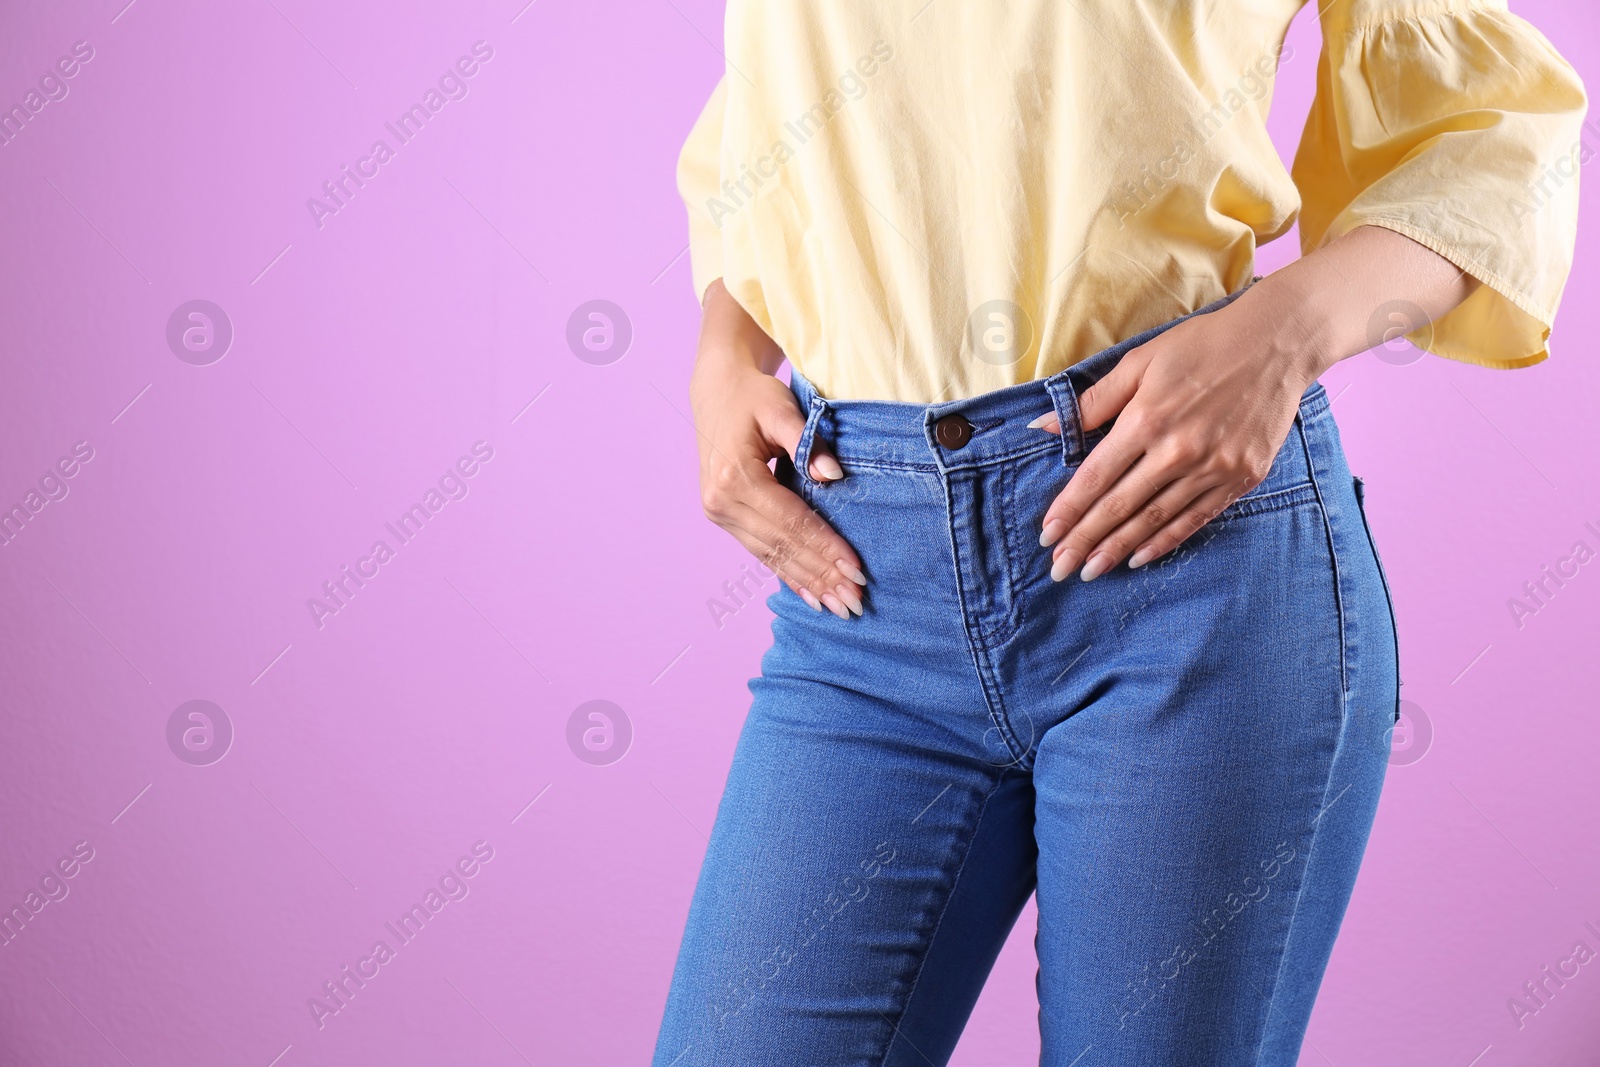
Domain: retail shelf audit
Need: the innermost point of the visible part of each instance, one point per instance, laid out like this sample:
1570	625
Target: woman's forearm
730	337
1350	295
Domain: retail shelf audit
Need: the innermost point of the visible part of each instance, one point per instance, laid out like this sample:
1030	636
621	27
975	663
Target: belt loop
816	406
1065	398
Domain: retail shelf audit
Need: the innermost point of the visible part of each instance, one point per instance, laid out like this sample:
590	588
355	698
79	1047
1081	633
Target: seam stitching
1305	870
1276	500
1333	557
1339	746
1016	577
975	641
847	461
1449	10
949	895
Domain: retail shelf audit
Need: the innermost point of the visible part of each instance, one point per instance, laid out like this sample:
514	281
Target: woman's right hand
745	418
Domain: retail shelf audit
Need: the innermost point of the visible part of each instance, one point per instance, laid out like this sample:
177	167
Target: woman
1007	250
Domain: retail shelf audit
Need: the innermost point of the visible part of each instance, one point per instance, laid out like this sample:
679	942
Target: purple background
373	752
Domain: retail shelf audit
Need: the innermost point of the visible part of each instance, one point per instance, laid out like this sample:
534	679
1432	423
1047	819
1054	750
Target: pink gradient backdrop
425	716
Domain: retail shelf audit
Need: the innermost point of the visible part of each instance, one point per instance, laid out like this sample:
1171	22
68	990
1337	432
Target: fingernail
1043	420
1098	564
1051	533
1064	565
828	467
810	598
850	571
1141	557
834	606
850	598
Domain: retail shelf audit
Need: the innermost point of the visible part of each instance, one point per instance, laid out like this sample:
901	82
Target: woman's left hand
1201	411
1203	408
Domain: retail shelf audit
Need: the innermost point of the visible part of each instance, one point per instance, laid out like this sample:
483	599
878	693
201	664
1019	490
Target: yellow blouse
927	199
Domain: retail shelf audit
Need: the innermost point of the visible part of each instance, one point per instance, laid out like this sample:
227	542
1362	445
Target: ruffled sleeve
1458	125
699	180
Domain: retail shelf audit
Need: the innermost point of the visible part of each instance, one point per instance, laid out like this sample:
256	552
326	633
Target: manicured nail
1141	557
810	598
850	571
1047	420
1064	565
1051	533
848	595
1098	564
834	606
828	467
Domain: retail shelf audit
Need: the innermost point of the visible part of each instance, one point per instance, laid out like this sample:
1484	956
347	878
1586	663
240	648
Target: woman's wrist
1319	309
1292	326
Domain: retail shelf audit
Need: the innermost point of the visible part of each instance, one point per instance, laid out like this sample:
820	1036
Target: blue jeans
1183	761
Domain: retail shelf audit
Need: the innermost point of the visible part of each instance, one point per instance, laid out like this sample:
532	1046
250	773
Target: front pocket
788	476
1383	577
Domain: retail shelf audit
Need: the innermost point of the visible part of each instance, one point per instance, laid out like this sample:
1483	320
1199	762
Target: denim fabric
1183	761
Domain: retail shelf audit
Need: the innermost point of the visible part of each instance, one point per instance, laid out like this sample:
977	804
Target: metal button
953	432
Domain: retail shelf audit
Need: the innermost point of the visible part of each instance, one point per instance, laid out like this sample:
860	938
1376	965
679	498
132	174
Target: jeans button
953	432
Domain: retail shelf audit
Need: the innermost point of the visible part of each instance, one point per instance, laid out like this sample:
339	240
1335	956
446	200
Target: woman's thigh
874	843
1202	811
857	887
